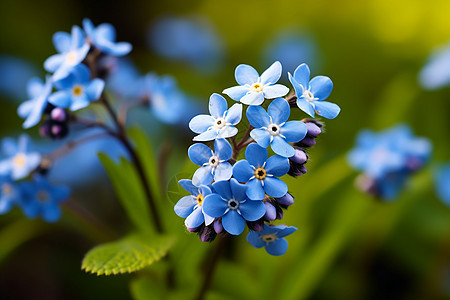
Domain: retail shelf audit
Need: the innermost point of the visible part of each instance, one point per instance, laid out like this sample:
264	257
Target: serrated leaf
129	190
127	255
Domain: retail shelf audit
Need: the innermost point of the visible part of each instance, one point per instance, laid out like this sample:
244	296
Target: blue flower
272	128
232	204
19	162
442	183
9	193
220	123
272	238
253	89
76	91
191	207
436	73
32	109
260	173
40	198
310	94
72	50
104	38
214	164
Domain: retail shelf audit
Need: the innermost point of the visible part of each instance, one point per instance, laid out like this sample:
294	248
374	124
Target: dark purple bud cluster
56	123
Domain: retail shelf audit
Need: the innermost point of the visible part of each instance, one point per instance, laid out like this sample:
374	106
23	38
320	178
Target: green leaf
127	255
129	190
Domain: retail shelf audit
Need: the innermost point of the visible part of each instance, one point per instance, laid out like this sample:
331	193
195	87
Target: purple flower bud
56	130
299	157
44	130
256	225
279	214
218	227
58	114
313	129
413	164
308	141
286	200
271	212
207	234
192	229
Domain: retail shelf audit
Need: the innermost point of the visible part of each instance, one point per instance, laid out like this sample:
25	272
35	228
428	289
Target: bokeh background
349	245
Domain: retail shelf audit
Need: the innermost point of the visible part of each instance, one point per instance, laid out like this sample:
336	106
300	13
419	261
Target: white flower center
269	237
19	160
71	56
7	189
273	129
220	123
308	96
233	204
257	87
214	161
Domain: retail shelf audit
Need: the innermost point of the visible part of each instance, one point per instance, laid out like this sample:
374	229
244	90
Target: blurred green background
348	246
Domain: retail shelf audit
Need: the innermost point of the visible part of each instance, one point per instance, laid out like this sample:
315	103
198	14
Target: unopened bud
286	200
218	227
299	157
58	114
271	212
313	129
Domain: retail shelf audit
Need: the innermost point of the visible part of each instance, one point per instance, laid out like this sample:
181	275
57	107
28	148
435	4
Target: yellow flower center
200	199
257	87
269	237
77	90
7	189
260	173
20	160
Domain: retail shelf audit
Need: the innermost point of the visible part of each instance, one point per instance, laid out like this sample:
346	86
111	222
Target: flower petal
223	149
188	186
256	155
60	99
233	223
185	206
246	74
94	89
255	239
77	37
252	210
294	131
61	41
79	103
272	74
238	190
242	171
223	189
326	109
195	219
277	166
214	205
201	123
261	136
236	92
202	175
321	87
306	106
255	190
199	154
52	63
206	136
223	171
253	98
35	87
279	110
302	75
286	231
234	114
226	132
217	105
275	91
278	247
275	187
257	116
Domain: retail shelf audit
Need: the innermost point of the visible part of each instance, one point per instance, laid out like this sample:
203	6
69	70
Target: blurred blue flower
76	91
260	173
104	38
253	89
9	193
40	198
442	183
230	202
72	49
18	161
310	94
124	78
214	164
32	109
272	238
14	74
272	128
388	158
189	40
436	73
191	207
220	123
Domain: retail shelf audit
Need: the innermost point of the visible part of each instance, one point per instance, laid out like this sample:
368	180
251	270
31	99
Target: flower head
252	88
104	38
9	193
19	162
191	207
220	123
272	127
310	94
272	238
76	91
230	202
214	164
32	110
260	173
72	49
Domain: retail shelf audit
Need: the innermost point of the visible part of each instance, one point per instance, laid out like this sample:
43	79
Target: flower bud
218	227
207	234
299	157
308	141
44	129
286	200
192	229
58	114
256	225
313	129
271	212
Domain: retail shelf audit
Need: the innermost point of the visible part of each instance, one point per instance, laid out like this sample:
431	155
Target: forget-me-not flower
272	238
72	49
40	198
220	124
214	164
76	91
104	38
19	162
253	89
32	110
260	173
230	202
272	127
310	94
436	73
9	193
191	207
442	183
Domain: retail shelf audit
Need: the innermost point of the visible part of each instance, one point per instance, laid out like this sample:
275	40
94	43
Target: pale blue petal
233	223
5	166
302	75
238	190
294	131
201	123
88	27
236	92
9	146
23	143
253	98
195	219
214	206
272	74
61	41
185	206
217	105
256	155
275	187
81	73
223	189
203	175
255	190
25	108
94	89
115	49
277	247
286	231
35	87
79	103
234	114
242	171
277	166
208	219
245	74
257	116
199	154
326	109
252	210
275	91
321	87
77	38
106	31
206	136
223	149
255	239
188	186
226	132
261	136
52	63
60	99
223	171
279	110
306	106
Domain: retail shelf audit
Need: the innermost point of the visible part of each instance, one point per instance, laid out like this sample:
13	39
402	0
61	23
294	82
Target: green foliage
127	255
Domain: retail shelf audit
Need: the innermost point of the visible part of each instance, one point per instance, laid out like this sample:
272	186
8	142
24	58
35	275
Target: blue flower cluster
226	194
388	159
